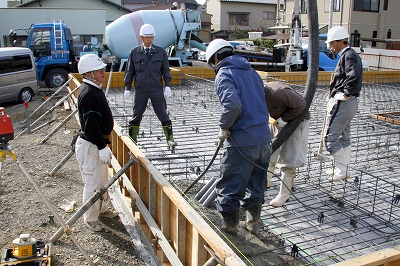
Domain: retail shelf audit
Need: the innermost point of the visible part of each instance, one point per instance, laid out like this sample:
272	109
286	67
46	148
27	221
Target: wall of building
76	19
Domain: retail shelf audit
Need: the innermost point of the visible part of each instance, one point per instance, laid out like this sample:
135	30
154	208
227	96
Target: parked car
18	76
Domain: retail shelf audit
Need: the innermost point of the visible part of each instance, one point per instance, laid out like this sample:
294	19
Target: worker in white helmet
285	104
244	129
91	148
342	105
148	66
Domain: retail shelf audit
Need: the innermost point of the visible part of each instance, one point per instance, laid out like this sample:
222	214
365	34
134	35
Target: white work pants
94	175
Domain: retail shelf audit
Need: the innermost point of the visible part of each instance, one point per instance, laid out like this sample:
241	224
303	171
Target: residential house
229	16
372	23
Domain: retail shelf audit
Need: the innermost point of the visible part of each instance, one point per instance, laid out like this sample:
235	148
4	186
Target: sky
3	3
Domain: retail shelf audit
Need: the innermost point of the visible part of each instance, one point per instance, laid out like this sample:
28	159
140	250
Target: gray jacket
149	73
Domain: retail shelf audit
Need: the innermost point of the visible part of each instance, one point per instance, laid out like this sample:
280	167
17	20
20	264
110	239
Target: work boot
252	218
133	132
270	174
231	221
341	165
169	136
288	175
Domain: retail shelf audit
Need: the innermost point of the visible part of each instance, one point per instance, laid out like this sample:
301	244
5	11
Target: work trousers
293	152
337	125
157	101
243	177
94	175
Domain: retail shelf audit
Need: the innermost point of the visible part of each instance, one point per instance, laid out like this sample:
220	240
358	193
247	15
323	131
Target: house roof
159	2
104	1
269	2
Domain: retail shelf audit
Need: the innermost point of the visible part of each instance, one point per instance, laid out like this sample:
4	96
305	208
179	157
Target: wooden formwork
177	233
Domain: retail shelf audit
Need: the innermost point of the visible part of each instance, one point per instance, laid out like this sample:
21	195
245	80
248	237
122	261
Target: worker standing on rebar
285	104
243	126
342	105
148	66
91	148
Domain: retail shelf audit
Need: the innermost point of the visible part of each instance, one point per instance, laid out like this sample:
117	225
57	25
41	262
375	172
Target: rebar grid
324	222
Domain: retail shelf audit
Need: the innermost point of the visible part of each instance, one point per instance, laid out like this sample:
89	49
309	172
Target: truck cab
52	47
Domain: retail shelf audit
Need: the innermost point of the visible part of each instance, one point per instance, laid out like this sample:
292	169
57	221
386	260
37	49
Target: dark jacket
348	74
149	73
243	108
283	101
94	115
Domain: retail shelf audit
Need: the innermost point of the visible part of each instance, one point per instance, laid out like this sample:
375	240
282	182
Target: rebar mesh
323	223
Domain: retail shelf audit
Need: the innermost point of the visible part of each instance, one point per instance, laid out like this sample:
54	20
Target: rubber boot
252	218
288	175
231	221
133	132
270	174
347	152
341	162
169	136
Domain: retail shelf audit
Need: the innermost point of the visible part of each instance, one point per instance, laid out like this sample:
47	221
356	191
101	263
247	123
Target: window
5	65
238	19
336	5
303	7
268	15
366	5
385	4
22	62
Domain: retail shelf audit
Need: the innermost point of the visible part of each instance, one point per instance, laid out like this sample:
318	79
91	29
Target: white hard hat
215	46
90	62
147	30
337	33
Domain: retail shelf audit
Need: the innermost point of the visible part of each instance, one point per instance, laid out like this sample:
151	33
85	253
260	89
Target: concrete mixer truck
52	43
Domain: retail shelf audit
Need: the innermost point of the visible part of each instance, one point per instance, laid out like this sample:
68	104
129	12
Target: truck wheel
56	78
25	95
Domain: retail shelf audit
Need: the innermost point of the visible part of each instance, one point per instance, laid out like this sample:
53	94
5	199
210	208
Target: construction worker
342	105
148	66
244	129
285	104
91	148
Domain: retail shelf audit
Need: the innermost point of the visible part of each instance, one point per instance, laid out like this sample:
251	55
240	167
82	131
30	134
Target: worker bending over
285	104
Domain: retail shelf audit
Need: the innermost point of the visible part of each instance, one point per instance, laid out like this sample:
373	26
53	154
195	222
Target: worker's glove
127	94
167	92
272	121
105	155
280	123
223	134
340	96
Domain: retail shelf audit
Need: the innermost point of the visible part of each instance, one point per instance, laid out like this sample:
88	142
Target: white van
18	77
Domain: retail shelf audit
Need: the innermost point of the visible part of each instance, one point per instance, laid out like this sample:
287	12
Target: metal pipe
91	201
59	126
65	228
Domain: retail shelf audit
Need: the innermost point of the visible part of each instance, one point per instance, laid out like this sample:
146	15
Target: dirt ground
23	210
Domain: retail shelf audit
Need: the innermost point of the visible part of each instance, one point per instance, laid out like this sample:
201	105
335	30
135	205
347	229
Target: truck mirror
13	37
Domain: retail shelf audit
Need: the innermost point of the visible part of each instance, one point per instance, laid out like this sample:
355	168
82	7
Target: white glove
223	134
105	155
281	123
340	96
127	94
167	92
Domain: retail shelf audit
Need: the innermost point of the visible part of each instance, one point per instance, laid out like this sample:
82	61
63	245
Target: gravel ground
24	211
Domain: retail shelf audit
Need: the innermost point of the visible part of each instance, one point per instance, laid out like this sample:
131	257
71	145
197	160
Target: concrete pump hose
205	170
